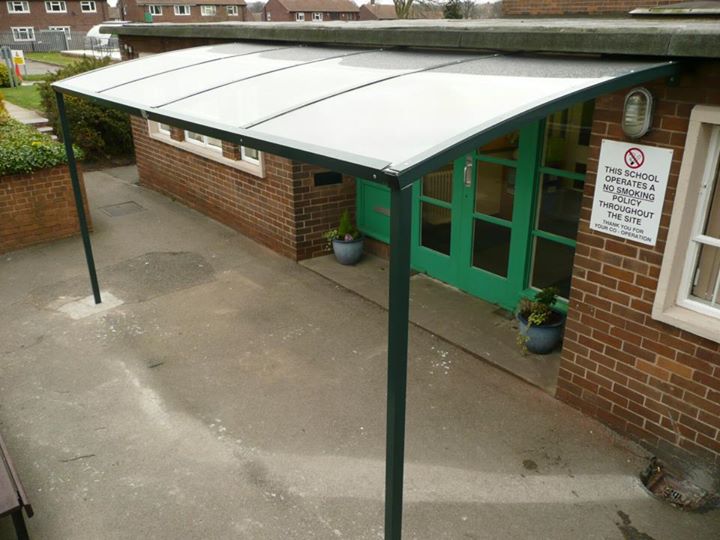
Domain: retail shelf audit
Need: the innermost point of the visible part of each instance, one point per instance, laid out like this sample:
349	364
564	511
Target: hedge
4	76
23	149
99	131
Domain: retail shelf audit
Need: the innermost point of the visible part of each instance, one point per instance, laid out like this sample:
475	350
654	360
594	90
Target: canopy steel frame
400	182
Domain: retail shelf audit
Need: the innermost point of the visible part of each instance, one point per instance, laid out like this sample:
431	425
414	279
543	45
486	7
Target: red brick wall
136	13
575	7
37	207
318	209
278	12
656	383
39	19
283	211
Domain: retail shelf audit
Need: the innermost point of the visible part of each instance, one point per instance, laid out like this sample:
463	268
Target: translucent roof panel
283	91
370	111
104	78
187	81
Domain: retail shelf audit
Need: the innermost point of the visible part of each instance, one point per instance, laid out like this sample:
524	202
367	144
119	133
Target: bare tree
403	8
467	8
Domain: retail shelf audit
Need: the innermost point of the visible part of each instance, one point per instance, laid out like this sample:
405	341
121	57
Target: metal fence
58	40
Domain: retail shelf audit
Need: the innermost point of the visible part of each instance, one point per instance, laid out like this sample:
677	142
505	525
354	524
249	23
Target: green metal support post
77	192
399	302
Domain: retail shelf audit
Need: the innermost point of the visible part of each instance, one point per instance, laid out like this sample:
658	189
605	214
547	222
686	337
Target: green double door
502	221
471	220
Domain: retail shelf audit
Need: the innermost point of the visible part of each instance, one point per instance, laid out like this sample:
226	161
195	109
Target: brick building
555	8
377	12
642	345
310	10
24	18
183	11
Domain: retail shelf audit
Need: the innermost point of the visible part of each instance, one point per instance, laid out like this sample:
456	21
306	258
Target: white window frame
317	16
673	303
232	11
155	10
51	4
246	163
88	6
66	29
24	6
268	16
203	141
300	16
208	11
16	30
185	8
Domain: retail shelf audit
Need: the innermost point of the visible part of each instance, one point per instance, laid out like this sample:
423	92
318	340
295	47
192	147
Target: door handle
467	172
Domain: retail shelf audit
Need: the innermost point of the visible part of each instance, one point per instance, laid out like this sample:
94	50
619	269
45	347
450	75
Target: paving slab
246	399
469	323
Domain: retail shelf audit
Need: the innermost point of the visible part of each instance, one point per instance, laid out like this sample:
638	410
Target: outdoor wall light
637	113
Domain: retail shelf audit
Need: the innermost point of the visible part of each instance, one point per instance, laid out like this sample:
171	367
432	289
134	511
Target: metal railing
58	40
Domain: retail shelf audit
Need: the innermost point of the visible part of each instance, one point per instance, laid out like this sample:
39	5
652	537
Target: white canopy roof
391	115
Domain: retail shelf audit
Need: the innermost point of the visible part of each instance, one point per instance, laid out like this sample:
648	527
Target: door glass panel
438	184
706	281
567	138
491	247
552	266
712	220
505	147
559	205
436	227
494	189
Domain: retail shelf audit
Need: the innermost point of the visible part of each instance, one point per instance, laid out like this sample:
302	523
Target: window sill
251	168
690	321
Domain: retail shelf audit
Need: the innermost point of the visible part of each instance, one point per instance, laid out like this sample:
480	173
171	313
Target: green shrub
99	131
2	105
24	149
4	76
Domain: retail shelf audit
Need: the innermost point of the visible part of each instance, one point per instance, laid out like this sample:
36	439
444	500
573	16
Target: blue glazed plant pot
542	339
348	251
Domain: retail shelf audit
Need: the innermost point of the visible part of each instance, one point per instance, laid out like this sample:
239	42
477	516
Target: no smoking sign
630	190
634	158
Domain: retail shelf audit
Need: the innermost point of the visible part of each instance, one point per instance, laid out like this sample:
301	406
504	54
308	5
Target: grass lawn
23	96
51	58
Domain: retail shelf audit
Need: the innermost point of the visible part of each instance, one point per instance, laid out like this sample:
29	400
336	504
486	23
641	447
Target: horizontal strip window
244	158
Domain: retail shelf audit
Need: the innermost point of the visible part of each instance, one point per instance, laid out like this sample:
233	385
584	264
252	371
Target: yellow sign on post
18	57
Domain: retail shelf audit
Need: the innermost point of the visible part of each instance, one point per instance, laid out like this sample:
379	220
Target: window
23	33
56	7
232	11
317	17
208	11
181	10
88	6
688	293
65	29
18	7
268	16
299	16
239	157
155	10
203	140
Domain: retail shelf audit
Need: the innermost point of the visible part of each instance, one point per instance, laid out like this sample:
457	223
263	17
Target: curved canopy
388	115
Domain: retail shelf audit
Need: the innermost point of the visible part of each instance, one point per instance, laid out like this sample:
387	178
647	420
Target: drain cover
122	209
677	491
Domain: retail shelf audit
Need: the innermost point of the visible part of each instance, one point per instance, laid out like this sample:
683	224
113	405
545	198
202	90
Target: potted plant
541	327
346	240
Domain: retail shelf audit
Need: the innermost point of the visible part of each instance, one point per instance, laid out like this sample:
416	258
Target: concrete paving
232	393
39	68
467	322
26	116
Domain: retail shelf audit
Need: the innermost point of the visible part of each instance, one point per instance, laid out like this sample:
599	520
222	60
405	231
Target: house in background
377	12
183	10
310	10
21	20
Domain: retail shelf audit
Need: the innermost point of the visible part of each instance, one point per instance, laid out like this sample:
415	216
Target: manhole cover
679	492
122	209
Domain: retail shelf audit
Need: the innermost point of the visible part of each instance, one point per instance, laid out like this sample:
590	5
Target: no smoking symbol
634	158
